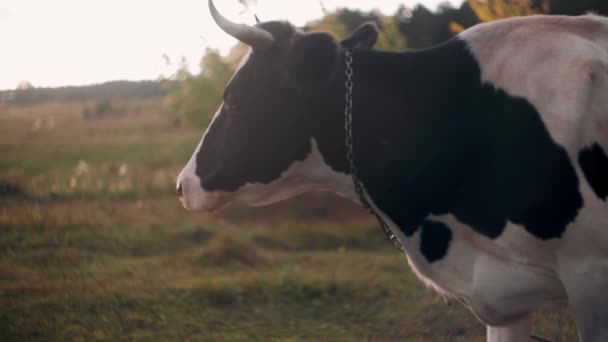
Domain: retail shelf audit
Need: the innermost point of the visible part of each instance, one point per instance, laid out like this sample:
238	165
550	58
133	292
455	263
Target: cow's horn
252	36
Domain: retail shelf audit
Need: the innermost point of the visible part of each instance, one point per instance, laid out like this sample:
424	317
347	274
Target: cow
485	156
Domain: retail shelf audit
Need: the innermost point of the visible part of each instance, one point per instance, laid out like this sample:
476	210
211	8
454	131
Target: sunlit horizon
71	42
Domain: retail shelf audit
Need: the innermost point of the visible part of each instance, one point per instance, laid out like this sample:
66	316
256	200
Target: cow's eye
230	107
229	103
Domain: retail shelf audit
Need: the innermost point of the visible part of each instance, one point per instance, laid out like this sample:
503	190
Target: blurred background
103	104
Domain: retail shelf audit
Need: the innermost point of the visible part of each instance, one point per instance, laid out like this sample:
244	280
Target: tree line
191	99
28	94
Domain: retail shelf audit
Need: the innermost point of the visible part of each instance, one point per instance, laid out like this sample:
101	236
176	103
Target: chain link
348	127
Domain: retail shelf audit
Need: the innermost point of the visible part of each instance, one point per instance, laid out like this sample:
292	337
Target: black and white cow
485	154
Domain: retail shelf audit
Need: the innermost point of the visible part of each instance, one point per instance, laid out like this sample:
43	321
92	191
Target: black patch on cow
435	240
319	47
431	138
594	163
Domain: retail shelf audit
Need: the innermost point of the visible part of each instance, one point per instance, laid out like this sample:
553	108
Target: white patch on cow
557	63
310	174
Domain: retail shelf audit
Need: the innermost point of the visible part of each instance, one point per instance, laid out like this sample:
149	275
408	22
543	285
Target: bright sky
74	42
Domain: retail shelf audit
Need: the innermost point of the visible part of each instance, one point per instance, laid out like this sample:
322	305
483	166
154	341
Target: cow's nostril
179	190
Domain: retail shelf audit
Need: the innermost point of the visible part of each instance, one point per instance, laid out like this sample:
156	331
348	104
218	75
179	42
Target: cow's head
262	144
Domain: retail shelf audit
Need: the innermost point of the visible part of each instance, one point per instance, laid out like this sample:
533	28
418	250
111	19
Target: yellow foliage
456	28
490	10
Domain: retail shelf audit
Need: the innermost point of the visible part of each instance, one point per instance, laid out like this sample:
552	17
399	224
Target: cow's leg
588	298
515	332
590	307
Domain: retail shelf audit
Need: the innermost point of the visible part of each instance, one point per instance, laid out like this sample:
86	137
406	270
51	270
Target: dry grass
226	249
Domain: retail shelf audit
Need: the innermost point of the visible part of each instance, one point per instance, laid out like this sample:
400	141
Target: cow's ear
312	58
364	37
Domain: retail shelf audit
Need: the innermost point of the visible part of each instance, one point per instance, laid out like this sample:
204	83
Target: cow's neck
397	133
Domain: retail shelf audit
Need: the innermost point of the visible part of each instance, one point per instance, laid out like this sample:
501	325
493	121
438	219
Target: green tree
344	21
329	23
193	100
424	28
391	38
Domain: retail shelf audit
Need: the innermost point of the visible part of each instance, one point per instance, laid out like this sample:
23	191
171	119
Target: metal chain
348	127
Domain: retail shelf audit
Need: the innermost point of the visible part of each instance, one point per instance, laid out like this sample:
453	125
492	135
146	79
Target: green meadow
94	246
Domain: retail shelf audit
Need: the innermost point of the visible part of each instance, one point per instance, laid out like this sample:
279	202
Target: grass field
95	246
